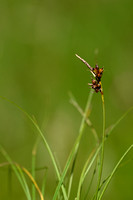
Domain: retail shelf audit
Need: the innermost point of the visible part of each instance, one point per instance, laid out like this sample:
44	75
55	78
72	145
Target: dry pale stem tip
84	62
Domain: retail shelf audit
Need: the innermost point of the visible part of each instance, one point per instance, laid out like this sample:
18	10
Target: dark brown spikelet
97	73
95	85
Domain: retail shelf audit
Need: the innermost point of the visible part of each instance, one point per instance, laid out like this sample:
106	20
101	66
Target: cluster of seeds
96	83
97	73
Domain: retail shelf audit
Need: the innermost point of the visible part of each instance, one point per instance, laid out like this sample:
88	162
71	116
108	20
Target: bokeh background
38	68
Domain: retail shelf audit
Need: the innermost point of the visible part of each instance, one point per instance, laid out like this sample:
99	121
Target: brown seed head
99	85
93	81
99	75
96	66
101	70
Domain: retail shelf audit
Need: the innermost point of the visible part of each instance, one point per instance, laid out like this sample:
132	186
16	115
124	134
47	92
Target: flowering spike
97	73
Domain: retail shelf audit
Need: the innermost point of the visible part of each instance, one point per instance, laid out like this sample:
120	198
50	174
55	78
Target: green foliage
63	191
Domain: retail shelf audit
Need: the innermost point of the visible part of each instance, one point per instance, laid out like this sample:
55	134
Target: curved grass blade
24	180
114	170
125	163
18	173
44	141
20	169
34	182
111	128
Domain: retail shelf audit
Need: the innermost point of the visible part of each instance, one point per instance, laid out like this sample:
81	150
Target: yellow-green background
38	67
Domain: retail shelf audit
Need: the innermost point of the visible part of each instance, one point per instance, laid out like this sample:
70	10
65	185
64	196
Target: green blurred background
38	67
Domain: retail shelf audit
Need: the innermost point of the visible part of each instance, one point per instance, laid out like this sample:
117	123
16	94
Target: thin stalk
114	170
75	147
44	182
33	175
91	181
85	170
71	176
87	120
33	169
102	150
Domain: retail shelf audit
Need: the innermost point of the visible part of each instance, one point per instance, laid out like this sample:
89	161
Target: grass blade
71	176
87	120
91	181
102	148
33	169
24	180
33	181
44	182
20	169
44	141
114	170
109	131
85	170
98	150
18	173
75	147
111	128
33	175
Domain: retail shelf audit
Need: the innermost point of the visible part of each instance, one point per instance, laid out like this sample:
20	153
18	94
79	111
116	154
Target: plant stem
88	122
33	167
102	150
114	170
33	175
85	170
75	147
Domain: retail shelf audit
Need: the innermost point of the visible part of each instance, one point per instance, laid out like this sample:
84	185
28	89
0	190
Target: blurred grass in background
38	67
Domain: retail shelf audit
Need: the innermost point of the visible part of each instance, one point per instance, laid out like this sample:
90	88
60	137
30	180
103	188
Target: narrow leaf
114	170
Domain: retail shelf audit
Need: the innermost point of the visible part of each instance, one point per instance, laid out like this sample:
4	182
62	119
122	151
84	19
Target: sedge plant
63	190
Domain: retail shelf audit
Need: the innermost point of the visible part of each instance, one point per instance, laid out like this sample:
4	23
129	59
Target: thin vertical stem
33	171
44	182
85	170
76	145
102	150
